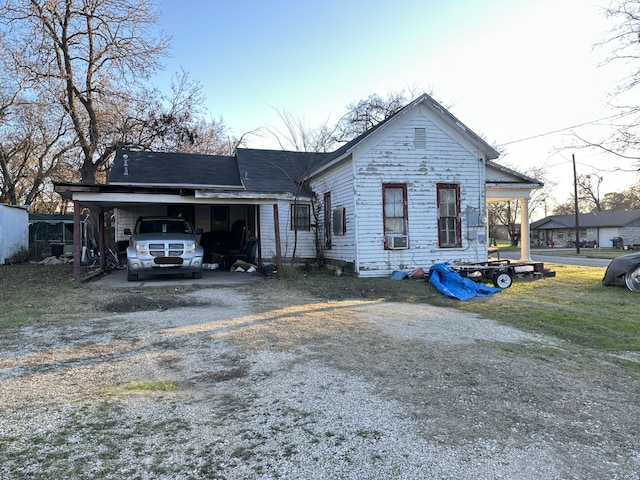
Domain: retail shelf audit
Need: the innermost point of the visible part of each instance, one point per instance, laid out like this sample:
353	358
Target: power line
619	115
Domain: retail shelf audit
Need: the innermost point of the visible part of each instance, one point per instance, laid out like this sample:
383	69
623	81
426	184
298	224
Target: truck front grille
166	249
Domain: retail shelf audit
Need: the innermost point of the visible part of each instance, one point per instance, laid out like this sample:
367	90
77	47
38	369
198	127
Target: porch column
525	255
76	241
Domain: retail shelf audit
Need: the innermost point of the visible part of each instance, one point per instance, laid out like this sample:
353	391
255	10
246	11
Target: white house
412	191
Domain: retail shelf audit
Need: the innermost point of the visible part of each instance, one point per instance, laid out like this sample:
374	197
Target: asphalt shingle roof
615	218
174	169
275	170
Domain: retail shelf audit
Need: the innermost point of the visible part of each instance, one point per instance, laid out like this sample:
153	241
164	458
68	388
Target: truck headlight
141	248
190	247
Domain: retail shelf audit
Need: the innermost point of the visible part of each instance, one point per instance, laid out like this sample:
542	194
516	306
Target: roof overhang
174	185
99	197
503	192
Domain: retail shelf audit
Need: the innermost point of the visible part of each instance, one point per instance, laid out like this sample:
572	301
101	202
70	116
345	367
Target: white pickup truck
163	245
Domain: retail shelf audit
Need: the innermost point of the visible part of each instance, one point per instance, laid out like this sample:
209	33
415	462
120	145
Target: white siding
305	244
339	182
14	234
126	217
390	156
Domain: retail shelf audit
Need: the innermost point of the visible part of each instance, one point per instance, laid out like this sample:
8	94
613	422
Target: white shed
14	234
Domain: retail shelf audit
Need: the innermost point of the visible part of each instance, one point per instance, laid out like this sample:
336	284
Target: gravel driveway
254	382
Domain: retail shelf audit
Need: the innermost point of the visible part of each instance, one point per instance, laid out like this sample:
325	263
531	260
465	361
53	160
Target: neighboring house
617	229
411	191
14	234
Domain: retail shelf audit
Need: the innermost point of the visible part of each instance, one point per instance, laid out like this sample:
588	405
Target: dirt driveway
255	382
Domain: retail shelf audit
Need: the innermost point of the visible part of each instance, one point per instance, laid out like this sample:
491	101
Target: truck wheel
502	279
632	279
131	277
197	274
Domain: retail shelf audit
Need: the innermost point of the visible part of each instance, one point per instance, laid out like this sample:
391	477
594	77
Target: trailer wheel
502	279
632	279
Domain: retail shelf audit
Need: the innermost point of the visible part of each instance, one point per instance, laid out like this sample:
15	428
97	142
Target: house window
449	215
219	218
300	217
327	220
420	138
394	207
339	221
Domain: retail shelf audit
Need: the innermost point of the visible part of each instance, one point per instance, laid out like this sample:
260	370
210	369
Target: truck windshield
164	226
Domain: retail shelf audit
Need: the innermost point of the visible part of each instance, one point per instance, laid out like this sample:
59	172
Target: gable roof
614	218
433	106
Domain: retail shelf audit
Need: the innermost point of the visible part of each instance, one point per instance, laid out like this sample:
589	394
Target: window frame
295	223
339	221
405	210
456	228
219	217
327	221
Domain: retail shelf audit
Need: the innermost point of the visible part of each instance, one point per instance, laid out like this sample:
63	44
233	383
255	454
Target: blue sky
508	69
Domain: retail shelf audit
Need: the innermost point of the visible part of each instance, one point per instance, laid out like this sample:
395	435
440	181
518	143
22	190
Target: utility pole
575	194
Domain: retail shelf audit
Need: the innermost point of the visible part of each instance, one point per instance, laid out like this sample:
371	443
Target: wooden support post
101	248
276	223
77	247
259	234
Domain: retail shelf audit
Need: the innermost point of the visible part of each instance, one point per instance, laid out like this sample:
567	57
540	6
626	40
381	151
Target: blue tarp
452	284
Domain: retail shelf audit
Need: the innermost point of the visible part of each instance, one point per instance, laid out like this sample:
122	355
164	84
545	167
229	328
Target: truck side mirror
199	231
127	231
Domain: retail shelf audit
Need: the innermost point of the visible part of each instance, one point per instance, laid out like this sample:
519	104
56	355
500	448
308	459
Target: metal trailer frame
501	272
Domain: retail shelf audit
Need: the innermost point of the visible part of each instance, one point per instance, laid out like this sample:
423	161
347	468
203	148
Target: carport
246	185
101	198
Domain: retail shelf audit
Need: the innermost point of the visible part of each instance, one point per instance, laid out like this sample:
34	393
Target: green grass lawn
572	306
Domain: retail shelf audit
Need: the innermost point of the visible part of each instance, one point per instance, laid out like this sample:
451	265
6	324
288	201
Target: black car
626	267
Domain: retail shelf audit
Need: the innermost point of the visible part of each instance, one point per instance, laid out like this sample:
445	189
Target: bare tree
30	154
622	44
91	56
33	140
174	122
365	114
296	136
589	191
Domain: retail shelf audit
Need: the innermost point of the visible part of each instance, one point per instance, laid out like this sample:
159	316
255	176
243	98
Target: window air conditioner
397	242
